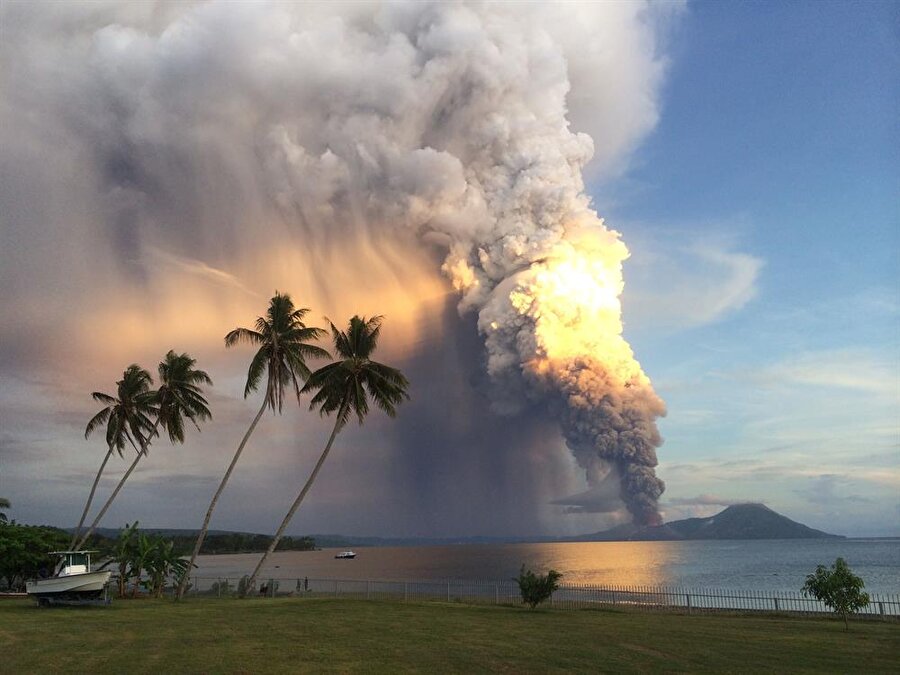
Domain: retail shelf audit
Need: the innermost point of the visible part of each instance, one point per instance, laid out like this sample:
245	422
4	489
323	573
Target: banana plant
161	563
122	554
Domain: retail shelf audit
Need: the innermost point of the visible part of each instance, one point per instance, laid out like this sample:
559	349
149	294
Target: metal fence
568	596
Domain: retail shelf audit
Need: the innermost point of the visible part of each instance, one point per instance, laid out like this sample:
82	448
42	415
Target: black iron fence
568	596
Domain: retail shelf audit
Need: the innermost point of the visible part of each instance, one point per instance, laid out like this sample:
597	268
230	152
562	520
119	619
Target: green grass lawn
312	635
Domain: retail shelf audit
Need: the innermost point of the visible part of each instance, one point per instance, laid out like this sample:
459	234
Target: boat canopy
74	562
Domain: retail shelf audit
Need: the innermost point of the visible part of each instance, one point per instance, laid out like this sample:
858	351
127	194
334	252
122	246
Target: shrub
23	553
838	588
536	588
221	587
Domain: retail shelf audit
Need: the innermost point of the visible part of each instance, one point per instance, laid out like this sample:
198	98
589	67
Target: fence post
881	609
497	595
688	596
405	591
368	593
448	590
335	588
776	604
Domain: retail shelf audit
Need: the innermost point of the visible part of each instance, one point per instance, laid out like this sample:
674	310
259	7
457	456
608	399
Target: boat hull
89	584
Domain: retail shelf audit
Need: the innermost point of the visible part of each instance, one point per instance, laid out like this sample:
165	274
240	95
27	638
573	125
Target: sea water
769	565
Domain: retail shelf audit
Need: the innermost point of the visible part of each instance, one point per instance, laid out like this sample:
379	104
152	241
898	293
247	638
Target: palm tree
126	419
4	504
344	387
284	345
179	396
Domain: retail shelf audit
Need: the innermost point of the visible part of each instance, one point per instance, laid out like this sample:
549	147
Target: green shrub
23	553
536	588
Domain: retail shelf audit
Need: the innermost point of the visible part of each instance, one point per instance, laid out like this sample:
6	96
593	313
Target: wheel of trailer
43	602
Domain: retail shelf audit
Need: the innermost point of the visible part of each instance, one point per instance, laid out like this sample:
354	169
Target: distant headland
737	522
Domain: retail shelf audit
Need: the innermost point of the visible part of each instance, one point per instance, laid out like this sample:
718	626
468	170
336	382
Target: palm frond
96	421
198	377
255	371
245	335
371	331
358	400
307	351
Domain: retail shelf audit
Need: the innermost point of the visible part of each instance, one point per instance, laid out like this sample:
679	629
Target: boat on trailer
75	584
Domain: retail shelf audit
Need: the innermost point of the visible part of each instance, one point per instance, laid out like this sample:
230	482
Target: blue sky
778	140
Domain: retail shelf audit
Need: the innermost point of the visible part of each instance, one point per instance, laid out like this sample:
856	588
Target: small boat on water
346	555
75	583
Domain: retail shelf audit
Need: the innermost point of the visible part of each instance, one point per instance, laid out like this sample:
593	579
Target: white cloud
687	285
857	369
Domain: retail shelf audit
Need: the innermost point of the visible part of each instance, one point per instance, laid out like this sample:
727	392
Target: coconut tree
179	396
284	345
4	504
344	388
127	420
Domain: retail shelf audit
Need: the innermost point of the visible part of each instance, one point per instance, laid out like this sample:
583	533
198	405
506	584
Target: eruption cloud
225	125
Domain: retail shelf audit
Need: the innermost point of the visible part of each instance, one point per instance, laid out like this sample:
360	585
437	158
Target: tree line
25	552
138	414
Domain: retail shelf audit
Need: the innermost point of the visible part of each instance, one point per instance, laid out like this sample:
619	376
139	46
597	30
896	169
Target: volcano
740	521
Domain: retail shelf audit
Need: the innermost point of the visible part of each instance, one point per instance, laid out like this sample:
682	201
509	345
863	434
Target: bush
536	588
221	587
23	553
838	588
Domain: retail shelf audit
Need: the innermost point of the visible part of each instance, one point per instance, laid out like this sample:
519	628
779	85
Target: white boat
75	582
346	555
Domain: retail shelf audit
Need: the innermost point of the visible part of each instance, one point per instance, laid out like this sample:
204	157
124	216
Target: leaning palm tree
344	388
284	345
179	396
126	418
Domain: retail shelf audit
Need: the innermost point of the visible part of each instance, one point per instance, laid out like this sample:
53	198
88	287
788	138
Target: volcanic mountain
741	521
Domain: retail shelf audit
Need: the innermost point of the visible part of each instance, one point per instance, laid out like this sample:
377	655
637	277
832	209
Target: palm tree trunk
143	451
251	583
212	505
90	499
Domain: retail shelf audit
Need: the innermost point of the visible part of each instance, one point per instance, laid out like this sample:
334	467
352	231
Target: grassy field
315	635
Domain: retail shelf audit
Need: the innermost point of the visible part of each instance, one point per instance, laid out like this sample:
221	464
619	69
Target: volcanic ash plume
235	133
556	328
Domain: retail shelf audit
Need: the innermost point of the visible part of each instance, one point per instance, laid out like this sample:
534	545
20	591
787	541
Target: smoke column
219	124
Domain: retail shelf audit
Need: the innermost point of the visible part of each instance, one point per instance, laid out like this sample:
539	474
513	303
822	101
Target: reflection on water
763	565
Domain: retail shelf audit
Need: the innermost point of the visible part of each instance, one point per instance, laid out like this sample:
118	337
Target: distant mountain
741	521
